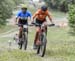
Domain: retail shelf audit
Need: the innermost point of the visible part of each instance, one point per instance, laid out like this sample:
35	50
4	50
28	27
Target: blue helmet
44	8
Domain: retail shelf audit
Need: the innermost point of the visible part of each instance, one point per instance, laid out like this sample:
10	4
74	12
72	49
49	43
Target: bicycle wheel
38	49
42	48
20	44
25	40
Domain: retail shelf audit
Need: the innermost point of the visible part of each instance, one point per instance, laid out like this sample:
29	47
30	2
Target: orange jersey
41	16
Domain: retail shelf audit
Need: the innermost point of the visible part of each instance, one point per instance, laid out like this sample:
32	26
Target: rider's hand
45	23
52	24
32	22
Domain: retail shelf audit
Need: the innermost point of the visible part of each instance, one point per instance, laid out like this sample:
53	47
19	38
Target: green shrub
6	8
61	5
72	17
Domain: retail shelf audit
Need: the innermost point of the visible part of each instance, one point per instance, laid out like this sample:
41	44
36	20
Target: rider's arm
29	15
50	18
17	17
16	20
34	16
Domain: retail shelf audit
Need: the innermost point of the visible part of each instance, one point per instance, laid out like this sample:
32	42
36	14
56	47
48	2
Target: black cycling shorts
39	22
22	22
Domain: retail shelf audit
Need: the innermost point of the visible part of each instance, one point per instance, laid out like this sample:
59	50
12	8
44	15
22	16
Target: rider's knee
37	29
20	28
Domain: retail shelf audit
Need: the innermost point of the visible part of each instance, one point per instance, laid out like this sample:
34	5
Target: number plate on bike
25	26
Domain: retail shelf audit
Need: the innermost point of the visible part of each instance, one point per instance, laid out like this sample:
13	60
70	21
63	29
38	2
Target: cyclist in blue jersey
22	18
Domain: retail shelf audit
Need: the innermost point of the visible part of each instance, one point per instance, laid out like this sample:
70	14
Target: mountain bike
24	40
41	48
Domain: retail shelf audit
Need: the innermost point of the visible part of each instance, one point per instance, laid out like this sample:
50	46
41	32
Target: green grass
61	44
17	55
60	47
5	39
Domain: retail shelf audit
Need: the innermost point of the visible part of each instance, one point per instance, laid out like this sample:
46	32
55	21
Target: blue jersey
21	14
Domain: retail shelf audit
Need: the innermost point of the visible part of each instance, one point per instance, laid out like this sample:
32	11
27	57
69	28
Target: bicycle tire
38	49
25	40
20	45
42	46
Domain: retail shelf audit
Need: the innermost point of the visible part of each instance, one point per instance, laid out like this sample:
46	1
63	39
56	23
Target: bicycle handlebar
40	24
32	24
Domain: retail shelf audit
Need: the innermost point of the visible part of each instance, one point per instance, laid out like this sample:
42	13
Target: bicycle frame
41	31
43	40
24	38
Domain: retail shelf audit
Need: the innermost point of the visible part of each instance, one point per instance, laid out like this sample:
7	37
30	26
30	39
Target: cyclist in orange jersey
40	16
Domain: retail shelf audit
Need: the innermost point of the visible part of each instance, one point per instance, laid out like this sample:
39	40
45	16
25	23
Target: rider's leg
36	36
37	33
20	32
